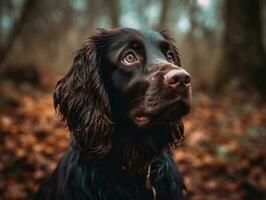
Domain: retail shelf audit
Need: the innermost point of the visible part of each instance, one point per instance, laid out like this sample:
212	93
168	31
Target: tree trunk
164	17
243	51
114	12
15	32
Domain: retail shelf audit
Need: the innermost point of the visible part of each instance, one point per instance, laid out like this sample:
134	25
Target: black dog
123	102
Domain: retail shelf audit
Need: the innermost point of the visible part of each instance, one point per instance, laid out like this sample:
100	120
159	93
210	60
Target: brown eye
170	57
130	58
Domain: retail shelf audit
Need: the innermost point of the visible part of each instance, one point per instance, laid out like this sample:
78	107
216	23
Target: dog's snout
177	79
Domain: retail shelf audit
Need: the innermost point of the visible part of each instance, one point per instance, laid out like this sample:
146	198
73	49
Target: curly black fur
98	99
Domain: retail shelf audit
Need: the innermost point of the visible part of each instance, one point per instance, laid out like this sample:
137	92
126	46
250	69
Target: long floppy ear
82	101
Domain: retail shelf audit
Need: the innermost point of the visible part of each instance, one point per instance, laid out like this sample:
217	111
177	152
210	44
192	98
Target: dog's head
123	77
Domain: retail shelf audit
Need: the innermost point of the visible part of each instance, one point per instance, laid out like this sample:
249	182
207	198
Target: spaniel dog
123	101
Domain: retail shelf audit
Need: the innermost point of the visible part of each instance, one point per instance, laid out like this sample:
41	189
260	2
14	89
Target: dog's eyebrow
164	44
135	43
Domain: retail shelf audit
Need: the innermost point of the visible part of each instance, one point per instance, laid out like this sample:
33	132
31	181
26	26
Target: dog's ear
81	99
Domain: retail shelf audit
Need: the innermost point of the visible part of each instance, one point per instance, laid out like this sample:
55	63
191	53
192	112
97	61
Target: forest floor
222	158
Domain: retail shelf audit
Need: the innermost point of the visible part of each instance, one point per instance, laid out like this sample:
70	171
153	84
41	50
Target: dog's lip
142	120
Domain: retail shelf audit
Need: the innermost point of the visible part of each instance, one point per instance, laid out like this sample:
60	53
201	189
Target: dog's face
122	76
146	74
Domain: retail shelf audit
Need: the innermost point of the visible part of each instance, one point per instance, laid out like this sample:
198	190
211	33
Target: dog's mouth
141	120
162	115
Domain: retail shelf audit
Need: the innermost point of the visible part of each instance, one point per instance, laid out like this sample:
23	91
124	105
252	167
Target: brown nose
177	79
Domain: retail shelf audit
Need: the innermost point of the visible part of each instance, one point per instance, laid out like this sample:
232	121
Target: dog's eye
130	58
170	57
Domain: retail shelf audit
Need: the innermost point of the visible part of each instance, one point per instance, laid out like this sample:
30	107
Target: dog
123	101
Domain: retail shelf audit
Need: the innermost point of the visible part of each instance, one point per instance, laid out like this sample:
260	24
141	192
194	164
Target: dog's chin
164	115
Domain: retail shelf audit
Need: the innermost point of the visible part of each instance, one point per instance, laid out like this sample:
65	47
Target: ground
223	156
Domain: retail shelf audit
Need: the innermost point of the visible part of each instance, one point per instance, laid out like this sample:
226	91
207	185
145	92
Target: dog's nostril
173	80
187	80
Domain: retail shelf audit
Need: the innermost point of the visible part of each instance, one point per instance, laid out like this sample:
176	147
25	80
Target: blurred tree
114	12
164	15
16	30
193	15
92	18
102	13
243	52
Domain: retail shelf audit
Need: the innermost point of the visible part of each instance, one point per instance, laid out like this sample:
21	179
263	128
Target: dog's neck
134	149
